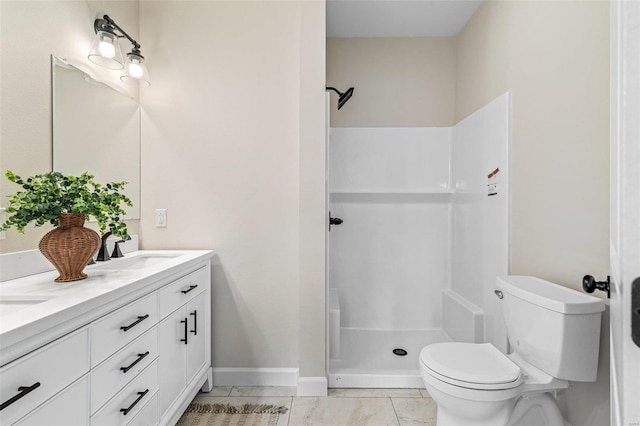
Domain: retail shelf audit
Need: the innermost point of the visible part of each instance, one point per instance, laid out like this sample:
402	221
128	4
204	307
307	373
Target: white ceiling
398	18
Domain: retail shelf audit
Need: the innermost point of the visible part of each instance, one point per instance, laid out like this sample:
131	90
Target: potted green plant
66	202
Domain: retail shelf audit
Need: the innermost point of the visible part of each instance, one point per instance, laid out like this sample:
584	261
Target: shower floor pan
366	358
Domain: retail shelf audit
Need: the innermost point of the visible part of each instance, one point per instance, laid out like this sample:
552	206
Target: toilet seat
471	366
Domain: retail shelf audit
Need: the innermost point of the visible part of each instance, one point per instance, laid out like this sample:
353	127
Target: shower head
343	97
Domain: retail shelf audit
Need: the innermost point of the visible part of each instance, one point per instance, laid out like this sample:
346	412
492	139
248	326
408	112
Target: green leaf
45	196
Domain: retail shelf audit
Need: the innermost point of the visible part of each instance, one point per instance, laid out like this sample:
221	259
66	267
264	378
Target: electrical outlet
161	218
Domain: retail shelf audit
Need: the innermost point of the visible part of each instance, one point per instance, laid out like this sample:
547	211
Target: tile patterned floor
348	407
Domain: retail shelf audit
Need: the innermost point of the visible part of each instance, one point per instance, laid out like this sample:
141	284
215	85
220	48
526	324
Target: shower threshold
367	358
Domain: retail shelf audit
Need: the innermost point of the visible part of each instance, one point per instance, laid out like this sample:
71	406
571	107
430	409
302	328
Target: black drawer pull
195	322
186	332
136	322
191	287
125	411
130	366
23	391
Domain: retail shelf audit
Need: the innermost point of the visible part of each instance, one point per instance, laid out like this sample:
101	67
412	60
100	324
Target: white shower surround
417	220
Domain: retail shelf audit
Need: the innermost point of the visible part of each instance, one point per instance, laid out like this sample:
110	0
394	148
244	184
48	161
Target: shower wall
480	211
390	258
424	209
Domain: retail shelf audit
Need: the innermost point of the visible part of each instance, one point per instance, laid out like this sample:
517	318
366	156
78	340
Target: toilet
554	336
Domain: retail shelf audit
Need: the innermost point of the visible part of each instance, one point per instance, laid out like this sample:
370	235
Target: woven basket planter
70	247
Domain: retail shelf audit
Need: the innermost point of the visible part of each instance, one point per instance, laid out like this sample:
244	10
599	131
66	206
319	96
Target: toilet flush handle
499	294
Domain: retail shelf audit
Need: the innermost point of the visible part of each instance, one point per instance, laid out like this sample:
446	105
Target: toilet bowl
477	385
554	333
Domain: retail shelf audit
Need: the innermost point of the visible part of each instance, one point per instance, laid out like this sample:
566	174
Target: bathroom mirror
95	129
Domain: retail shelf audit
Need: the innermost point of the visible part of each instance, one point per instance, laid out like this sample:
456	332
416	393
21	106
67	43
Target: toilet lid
476	366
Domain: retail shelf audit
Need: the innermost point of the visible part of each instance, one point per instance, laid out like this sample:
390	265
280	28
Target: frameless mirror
95	129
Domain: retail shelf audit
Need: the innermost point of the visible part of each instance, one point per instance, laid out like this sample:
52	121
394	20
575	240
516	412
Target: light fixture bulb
135	70
107	49
137	73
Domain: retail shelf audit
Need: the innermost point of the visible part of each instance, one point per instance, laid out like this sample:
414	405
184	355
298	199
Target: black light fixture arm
334	89
110	24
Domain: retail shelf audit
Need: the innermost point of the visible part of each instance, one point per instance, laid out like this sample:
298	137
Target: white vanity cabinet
183	336
133	360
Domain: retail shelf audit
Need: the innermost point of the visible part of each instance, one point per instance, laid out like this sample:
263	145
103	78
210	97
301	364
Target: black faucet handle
116	249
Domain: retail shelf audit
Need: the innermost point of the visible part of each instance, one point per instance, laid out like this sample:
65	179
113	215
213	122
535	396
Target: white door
625	210
327	137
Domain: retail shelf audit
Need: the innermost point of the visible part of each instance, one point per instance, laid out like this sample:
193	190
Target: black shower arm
334	89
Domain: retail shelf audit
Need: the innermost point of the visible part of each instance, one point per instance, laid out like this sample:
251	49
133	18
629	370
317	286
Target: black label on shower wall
492	182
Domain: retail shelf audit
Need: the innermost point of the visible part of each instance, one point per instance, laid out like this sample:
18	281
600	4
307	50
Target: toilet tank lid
549	295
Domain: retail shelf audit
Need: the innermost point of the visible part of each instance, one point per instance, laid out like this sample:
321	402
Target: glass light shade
105	51
137	73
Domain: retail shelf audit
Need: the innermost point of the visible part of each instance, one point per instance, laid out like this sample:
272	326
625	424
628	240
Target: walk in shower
423	234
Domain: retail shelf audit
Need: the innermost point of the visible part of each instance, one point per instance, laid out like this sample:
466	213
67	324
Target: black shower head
344	97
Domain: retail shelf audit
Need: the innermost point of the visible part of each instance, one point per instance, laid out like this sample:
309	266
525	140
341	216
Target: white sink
12	304
138	262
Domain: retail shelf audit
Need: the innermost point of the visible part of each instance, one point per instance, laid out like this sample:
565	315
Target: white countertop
35	310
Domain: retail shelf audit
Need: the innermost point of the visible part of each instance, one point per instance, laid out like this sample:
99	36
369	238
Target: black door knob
589	284
334	221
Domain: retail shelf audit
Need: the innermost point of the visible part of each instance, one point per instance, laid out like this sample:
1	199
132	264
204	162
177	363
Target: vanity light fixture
105	51
137	73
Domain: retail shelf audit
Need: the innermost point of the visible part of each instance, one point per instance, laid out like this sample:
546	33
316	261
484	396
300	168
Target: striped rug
229	415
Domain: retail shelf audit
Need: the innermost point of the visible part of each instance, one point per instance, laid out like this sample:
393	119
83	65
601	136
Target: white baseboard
312	386
255	376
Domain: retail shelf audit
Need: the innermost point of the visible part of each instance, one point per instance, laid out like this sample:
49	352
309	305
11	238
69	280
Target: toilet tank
552	327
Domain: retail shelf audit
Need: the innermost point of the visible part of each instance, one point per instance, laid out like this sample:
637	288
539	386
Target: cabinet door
198	330
172	358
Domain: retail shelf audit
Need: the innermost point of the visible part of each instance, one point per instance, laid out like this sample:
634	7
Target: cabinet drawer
118	370
46	371
127	403
148	415
117	329
182	290
69	408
